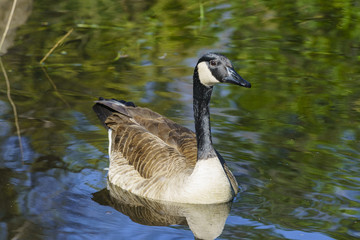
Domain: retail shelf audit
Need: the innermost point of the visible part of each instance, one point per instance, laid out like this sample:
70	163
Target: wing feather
147	153
180	138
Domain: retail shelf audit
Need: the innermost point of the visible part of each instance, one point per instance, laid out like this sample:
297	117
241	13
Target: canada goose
153	157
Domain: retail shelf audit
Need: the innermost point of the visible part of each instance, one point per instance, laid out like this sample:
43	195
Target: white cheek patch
205	75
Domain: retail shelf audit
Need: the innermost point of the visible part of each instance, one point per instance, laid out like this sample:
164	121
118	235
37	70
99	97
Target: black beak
234	78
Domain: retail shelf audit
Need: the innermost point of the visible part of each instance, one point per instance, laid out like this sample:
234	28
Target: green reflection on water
293	139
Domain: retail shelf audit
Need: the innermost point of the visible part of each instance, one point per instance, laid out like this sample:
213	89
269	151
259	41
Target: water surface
292	140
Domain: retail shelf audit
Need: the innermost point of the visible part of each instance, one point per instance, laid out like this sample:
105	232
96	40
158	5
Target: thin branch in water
21	232
14	109
56	45
54	86
8	24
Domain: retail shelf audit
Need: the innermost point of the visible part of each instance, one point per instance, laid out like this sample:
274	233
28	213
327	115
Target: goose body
153	157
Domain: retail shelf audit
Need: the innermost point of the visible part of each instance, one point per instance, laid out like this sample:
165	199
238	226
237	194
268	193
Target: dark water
292	139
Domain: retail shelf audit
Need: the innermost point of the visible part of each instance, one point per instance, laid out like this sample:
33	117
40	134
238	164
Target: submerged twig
8	24
14	109
54	86
56	45
21	232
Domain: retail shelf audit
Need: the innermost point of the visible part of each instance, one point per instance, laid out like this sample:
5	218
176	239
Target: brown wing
232	179
173	134
141	139
180	138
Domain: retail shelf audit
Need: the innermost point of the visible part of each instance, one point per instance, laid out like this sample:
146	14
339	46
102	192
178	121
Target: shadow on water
205	221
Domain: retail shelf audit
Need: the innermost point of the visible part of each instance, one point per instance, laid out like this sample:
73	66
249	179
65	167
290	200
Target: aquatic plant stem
14	109
54	86
202	15
8	24
56	45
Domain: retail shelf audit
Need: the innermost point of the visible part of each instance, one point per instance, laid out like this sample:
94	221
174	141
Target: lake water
292	140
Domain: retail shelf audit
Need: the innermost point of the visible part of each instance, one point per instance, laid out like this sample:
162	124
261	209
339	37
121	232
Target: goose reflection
205	221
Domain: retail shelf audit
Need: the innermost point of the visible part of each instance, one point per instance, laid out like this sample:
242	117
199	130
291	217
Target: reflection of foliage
120	48
8	208
303	68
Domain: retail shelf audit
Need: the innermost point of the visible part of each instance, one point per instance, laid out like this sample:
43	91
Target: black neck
202	95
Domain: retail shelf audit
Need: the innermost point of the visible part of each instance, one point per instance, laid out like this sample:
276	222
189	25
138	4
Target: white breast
208	183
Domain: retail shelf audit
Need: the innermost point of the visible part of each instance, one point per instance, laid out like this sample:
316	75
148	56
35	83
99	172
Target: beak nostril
235	78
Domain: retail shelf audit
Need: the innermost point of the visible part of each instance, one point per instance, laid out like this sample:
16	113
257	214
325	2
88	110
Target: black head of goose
153	157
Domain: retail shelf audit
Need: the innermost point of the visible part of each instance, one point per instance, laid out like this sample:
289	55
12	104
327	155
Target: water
292	140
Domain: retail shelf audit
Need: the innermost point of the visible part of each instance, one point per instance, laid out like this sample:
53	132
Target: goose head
214	68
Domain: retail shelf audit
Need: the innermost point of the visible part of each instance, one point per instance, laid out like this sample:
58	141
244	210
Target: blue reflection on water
11	152
288	234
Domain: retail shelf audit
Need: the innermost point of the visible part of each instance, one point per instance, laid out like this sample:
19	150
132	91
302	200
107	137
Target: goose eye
213	63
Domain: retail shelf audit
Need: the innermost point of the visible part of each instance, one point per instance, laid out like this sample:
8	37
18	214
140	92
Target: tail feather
102	112
106	107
